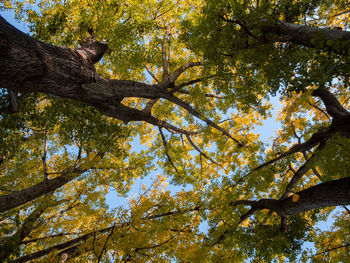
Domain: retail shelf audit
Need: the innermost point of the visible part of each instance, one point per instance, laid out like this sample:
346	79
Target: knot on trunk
91	50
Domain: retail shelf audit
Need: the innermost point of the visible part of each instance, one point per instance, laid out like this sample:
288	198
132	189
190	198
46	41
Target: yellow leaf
295	197
245	223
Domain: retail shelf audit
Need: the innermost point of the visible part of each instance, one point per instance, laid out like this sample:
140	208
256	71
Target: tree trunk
26	195
312	36
332	193
29	224
29	65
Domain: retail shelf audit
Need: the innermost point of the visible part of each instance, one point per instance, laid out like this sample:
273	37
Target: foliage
240	69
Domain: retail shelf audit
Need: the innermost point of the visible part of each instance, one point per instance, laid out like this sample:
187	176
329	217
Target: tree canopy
192	81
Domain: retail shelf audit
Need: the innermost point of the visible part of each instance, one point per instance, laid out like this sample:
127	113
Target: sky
266	131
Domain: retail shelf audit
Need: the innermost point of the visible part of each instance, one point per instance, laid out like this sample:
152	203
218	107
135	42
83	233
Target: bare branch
43	158
23	196
185	84
199	150
208	95
105	244
27	227
46	237
166	148
321	110
328	250
197	114
77	160
152	75
248	214
177	73
165	58
301	171
320	136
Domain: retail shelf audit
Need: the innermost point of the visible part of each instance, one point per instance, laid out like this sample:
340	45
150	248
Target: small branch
43	158
152	75
166	148
318	137
185	84
165	58
177	73
248	214
197	114
77	160
208	95
301	171
318	108
328	250
105	244
199	150
46	237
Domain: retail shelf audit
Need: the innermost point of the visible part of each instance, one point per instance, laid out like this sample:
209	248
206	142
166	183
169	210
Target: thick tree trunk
26	195
29	65
312	36
332	193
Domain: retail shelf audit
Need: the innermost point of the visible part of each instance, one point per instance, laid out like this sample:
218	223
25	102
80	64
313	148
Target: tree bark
332	193
312	36
26	195
29	65
30	223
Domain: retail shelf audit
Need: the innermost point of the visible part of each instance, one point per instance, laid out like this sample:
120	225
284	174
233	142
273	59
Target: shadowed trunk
28	65
312	36
26	195
332	193
29	224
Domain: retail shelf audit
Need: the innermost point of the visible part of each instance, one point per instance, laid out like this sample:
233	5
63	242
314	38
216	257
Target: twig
43	158
166	148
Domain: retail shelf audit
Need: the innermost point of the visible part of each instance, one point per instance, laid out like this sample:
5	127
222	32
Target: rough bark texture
26	195
311	36
29	65
332	193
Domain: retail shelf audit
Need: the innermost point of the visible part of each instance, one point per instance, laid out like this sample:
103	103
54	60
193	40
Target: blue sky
266	131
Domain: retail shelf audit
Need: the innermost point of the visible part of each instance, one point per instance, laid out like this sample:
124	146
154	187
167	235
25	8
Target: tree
201	74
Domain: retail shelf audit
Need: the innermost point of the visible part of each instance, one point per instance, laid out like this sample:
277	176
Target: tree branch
18	198
331	249
199	150
301	171
176	74
197	114
166	148
165	58
92	50
333	107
